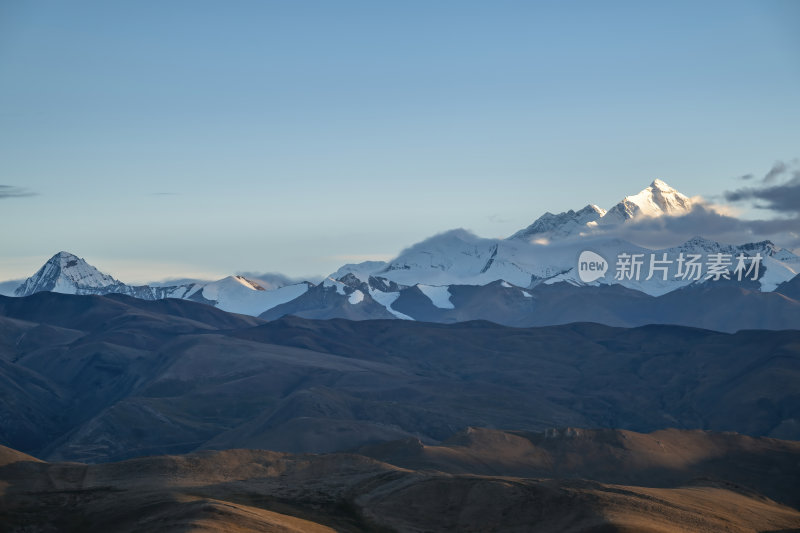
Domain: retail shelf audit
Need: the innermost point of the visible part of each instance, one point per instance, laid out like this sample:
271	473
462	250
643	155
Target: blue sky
204	138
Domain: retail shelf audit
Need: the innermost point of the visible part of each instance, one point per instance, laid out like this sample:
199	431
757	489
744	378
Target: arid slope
677	481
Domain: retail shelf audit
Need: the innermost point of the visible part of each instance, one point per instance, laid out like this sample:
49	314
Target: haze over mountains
530	278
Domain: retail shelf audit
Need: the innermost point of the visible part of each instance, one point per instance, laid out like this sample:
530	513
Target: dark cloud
775	225
775	172
10	191
782	198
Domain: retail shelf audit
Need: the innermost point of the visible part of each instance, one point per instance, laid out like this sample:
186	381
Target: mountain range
172	415
99	378
121	413
529	278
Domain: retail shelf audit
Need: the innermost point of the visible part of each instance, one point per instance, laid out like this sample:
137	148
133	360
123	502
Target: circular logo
591	266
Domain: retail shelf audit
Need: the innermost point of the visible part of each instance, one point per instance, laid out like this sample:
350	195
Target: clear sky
198	138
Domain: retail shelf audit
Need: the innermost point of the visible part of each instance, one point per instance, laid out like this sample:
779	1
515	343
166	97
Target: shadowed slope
249	490
98	379
665	458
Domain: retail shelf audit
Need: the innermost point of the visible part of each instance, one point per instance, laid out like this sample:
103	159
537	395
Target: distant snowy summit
546	251
430	280
568	223
69	274
658	199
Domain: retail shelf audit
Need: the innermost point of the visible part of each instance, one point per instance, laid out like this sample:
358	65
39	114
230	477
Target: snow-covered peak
766	248
661	185
66	273
452	254
591	208
237	294
362	271
563	224
698	244
229	283
655	200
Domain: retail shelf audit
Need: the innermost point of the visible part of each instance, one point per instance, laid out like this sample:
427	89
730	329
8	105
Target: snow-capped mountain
776	264
441	259
657	199
550	226
459	258
547	250
69	274
435	279
238	294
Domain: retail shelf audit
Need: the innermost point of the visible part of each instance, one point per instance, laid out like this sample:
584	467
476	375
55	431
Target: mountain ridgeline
723	305
99	378
531	278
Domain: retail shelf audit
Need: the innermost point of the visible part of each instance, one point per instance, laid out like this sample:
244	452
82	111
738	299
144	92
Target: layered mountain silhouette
719	306
127	413
98	378
723	305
